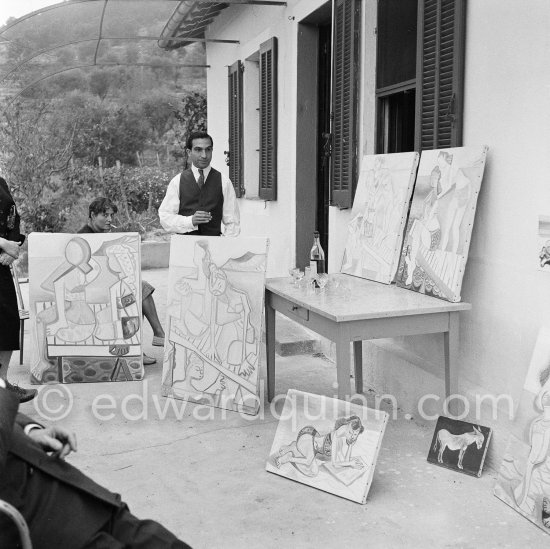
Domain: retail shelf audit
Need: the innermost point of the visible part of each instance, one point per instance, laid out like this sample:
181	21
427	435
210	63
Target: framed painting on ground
459	445
543	243
214	321
329	444
85	307
379	214
523	481
439	229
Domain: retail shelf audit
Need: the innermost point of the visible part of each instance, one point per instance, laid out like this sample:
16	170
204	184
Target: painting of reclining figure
435	250
85	307
215	311
378	216
524	477
329	444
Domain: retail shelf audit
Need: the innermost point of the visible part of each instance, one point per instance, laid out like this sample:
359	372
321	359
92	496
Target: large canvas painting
524	477
215	312
437	239
543	243
329	444
378	216
459	445
85	307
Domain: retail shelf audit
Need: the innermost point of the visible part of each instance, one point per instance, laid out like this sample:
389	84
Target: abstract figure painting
378	216
435	250
215	311
543	243
85	307
329	444
524	477
459	445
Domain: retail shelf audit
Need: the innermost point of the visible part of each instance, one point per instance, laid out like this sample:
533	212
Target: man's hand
6	259
55	439
201	217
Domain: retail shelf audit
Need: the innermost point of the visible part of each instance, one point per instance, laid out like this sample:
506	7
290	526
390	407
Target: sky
18	8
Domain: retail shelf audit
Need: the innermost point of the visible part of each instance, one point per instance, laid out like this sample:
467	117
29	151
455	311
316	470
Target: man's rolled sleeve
231	217
170	220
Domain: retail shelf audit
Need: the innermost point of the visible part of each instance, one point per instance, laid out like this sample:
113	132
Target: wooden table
357	310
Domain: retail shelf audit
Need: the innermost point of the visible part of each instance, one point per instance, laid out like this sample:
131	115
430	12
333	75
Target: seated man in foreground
62	507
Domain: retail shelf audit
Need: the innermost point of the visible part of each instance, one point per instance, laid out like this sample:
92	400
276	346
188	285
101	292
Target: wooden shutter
268	120
440	76
345	73
235	74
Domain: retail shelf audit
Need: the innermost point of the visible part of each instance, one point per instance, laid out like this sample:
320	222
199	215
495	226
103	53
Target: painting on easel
215	311
329	444
378	216
524	478
85	307
439	229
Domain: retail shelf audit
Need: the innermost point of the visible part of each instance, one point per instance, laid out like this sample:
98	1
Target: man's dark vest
209	198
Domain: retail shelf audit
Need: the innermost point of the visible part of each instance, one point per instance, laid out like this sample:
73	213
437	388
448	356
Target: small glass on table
322	281
296	275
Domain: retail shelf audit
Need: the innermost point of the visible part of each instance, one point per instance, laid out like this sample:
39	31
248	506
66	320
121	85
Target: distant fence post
122	190
100	164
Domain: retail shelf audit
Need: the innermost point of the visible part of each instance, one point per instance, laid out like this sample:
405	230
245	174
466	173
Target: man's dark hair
198	135
101	205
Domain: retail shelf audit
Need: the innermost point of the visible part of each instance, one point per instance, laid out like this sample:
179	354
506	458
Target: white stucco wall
507	107
252	26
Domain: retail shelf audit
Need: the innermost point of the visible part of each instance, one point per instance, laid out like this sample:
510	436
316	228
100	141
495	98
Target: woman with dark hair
310	447
10	241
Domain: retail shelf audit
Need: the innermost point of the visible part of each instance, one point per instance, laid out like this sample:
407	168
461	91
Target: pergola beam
73	2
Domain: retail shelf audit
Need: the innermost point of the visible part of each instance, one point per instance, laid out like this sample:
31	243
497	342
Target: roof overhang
191	18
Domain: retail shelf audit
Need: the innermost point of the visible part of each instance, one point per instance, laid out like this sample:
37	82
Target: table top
348	297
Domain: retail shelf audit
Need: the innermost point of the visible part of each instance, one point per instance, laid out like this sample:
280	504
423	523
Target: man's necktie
201	178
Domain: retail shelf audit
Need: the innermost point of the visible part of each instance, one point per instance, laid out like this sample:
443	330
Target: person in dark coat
62	506
10	242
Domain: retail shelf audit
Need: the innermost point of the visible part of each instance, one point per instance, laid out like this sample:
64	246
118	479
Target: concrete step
293	339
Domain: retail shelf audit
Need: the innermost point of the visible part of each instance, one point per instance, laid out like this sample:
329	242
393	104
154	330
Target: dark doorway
323	169
312	131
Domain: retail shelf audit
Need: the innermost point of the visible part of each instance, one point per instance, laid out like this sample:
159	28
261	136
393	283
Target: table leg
270	348
358	365
343	358
450	348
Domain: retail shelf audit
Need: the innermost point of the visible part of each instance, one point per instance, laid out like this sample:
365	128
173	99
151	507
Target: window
235	94
268	120
420	65
344	101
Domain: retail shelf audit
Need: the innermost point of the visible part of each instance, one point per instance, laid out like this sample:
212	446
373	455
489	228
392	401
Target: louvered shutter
268	120
440	75
344	101
235	94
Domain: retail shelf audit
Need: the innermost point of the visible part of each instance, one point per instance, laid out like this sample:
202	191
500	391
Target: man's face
201	153
101	222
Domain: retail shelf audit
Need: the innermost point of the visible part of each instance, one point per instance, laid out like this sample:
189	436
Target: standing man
200	199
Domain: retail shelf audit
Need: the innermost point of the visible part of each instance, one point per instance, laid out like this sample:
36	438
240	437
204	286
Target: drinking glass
322	280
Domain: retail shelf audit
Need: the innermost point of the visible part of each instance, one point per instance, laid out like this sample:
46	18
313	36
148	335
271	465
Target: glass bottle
316	256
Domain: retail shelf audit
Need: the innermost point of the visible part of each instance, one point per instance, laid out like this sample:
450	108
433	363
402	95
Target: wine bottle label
313	267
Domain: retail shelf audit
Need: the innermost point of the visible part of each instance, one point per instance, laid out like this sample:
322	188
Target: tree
33	154
191	113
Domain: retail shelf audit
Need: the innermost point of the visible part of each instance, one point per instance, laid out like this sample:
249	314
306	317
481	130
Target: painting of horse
470	441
